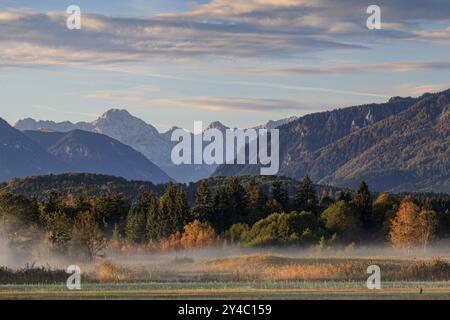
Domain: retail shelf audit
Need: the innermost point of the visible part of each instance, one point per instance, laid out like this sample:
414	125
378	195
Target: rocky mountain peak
217	125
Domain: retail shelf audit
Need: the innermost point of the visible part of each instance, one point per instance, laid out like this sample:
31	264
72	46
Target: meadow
248	275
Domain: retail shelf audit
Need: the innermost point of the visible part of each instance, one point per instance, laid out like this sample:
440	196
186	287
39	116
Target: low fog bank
439	250
39	256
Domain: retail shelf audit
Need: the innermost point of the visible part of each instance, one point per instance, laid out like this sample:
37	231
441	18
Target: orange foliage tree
197	234
412	226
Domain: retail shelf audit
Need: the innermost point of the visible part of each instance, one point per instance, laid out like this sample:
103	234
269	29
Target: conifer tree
202	205
135	227
279	194
257	200
363	203
166	212
306	199
181	209
235	202
153	226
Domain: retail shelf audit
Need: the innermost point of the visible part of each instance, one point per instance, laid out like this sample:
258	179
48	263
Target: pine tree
217	213
279	194
257	201
153	226
202	205
135	228
181	209
363	203
235	202
306	199
166	212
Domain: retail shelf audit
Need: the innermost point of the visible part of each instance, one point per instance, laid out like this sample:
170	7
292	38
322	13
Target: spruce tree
218	206
235	202
181	209
166	212
153	226
279	194
202	205
363	203
306	199
135	227
257	201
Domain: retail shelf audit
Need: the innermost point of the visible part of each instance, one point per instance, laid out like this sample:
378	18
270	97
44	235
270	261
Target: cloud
387	67
418	89
220	28
233	104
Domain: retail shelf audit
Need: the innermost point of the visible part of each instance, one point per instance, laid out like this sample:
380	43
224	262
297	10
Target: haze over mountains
83	151
33	153
141	136
20	156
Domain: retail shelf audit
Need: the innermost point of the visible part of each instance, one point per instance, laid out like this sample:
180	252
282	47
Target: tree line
230	212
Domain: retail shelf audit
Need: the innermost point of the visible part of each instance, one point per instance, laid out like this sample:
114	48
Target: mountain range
141	136
400	145
32	153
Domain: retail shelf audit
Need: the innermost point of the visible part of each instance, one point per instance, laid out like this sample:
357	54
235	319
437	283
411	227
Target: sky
173	62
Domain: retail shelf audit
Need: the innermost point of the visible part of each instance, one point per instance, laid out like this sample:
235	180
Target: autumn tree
87	235
428	223
404	232
197	235
237	232
58	231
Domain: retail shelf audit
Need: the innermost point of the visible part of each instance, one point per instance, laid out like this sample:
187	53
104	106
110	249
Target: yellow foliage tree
197	235
428	223
412	226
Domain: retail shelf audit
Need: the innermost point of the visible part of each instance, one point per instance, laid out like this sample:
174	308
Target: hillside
21	156
83	151
400	145
74	183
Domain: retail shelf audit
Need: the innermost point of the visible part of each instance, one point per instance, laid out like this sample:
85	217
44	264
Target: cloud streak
254	28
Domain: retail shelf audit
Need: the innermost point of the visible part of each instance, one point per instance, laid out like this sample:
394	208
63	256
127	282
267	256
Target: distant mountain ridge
83	151
21	156
400	145
136	133
33	153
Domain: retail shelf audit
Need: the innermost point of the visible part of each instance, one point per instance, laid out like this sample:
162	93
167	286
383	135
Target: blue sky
171	62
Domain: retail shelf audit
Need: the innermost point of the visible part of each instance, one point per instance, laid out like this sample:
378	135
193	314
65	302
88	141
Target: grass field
247	276
233	290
